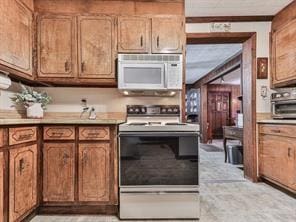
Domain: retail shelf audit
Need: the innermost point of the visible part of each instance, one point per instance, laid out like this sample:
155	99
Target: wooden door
16	37
134	34
22	181
58	172
284	55
94	172
218	113
96	47
57	55
167	34
278	159
2	167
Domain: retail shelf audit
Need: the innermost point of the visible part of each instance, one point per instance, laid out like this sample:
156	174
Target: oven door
141	76
158	160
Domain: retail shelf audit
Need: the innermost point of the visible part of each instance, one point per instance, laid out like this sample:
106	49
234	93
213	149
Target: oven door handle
158	134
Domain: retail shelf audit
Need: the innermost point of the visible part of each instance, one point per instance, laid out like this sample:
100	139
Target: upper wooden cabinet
57	46
134	34
96	47
94	172
58	172
16	38
22	181
284	55
167	34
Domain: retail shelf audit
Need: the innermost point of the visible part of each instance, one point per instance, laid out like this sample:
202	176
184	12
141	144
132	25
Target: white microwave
149	72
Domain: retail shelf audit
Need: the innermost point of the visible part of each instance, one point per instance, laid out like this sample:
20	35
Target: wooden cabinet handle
67	66
141	41
21	165
25	137
93	134
82	66
289	151
276	131
157	41
84	158
57	134
65	159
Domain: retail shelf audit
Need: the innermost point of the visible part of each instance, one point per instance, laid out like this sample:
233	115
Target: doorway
248	89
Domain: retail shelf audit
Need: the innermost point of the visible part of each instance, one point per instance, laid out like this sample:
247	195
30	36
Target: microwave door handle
166	73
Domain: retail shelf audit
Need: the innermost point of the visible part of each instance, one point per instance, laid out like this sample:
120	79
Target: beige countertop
59	121
278	121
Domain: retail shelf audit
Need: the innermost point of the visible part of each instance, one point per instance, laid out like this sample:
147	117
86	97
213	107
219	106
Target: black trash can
235	154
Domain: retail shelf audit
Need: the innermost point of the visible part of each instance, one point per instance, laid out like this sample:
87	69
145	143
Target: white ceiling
233	78
201	59
233	7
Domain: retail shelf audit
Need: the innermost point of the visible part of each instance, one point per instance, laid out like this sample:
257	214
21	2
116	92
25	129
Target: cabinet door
94	172
22	181
2	186
16	37
284	55
96	47
167	34
56	46
134	34
58	172
278	160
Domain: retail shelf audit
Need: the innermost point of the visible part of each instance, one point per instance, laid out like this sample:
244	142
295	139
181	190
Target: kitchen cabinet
22	180
284	55
167	34
2	168
58	172
16	38
134	34
96	53
277	155
57	46
94	172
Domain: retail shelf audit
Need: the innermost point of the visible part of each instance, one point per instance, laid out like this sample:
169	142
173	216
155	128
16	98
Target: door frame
249	91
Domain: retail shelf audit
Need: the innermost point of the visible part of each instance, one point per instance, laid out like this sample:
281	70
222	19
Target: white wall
262	29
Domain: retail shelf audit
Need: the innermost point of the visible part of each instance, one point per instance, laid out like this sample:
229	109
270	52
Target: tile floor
225	197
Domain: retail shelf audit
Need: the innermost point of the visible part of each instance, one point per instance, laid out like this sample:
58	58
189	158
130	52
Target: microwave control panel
175	75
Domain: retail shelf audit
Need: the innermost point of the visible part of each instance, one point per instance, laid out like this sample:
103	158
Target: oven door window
143	76
154	160
285	108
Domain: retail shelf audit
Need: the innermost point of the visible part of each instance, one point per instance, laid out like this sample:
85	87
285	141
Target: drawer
59	133
280	130
94	133
22	135
233	132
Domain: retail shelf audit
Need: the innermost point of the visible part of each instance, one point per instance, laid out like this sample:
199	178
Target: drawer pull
276	131
93	134
25	137
57	134
157	41
141	41
84	158
65	159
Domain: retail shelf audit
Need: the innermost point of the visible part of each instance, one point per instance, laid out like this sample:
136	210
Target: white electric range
159	164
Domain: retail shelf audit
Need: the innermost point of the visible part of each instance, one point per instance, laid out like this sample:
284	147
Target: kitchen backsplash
104	100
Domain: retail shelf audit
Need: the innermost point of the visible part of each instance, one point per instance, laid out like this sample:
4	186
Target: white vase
35	111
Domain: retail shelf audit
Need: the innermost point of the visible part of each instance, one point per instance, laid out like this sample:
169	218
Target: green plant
28	97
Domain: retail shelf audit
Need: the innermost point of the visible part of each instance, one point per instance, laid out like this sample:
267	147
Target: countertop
278	121
60	121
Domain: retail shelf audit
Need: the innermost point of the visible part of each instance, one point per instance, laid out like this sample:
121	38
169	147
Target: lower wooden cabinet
22	181
94	172
2	186
58	172
277	159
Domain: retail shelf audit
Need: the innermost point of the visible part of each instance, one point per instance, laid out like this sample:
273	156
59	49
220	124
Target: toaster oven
283	104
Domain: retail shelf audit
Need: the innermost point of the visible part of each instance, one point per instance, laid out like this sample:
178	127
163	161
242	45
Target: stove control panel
141	110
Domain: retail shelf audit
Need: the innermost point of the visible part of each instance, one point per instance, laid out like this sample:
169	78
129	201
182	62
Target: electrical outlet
264	91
